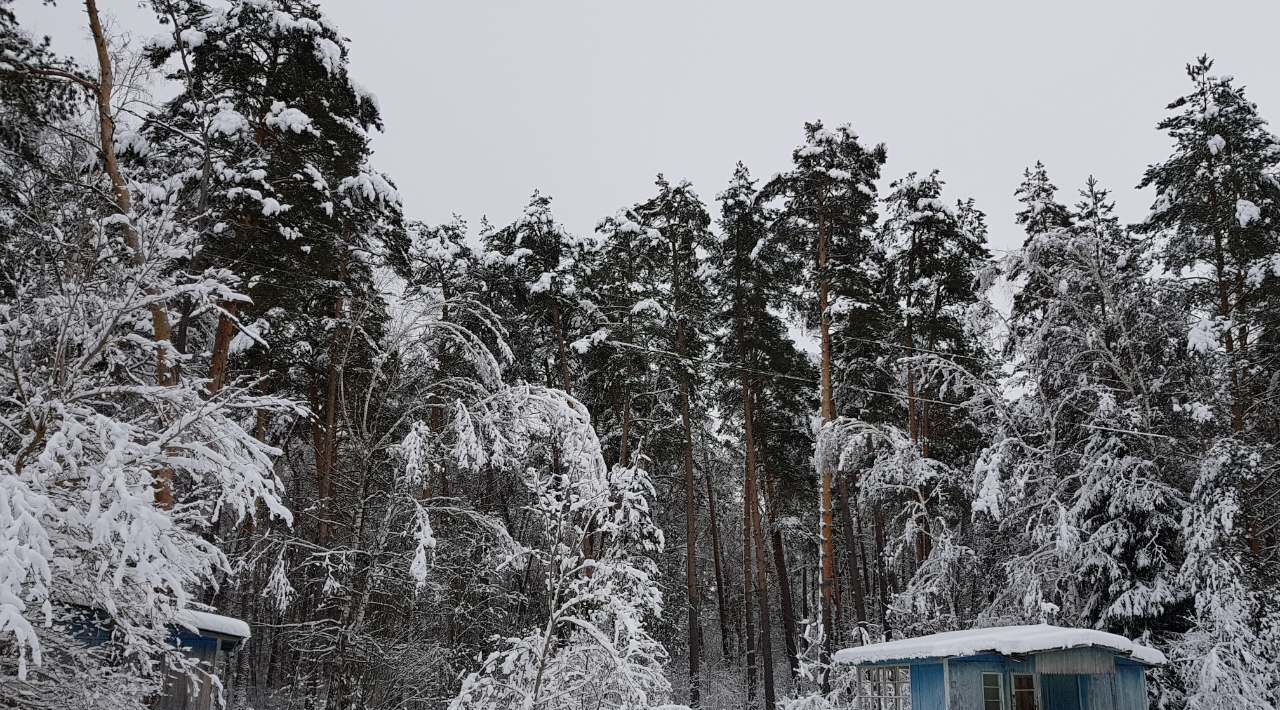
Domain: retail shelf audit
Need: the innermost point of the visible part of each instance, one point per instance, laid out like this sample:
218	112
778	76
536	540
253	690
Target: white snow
650	306
1006	640
1216	144
542	284
373	186
1203	336
329	54
227	122
271	206
192	37
212	623
283	22
1247	213
287	118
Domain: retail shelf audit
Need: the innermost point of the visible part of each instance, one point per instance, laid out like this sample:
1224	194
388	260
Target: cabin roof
212	624
1004	640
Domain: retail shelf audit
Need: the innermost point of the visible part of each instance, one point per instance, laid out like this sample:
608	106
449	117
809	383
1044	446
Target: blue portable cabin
1034	667
210	638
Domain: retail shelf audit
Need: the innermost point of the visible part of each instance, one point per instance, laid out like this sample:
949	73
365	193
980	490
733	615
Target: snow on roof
212	623
1005	640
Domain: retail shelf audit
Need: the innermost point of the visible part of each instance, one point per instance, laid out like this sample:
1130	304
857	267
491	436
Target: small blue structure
210	638
1035	667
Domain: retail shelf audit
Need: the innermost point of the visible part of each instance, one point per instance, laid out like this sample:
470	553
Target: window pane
1023	681
991	688
1024	700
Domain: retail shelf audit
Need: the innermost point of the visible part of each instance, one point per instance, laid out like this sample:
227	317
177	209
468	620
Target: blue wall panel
1061	692
1131	687
927	689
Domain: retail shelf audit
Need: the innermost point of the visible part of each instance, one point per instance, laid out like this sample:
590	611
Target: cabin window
992	691
1024	691
885	688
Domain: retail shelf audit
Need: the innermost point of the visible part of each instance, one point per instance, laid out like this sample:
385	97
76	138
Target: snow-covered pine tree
29	103
1084	458
936	253
589	642
268	139
935	258
682	222
116	468
749	275
829	202
266	146
643	359
534	266
1040	214
1216	201
1216	216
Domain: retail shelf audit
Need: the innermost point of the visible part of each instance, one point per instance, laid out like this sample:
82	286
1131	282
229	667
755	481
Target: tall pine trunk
881	574
162	478
748	617
691	535
782	574
751	517
827	553
719	565
856	581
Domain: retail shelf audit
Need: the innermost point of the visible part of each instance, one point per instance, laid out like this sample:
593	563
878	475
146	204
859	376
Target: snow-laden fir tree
750	274
1216	220
1040	213
117	468
1078	456
589	644
534	267
829	198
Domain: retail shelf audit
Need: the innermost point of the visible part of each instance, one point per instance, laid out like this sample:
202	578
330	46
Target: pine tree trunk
788	604
856	582
326	437
881	576
781	573
827	554
566	381
691	536
161	331
749	623
221	348
1225	312
723	613
750	502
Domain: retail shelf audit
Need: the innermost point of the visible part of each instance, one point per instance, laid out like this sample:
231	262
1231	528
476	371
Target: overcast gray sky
484	100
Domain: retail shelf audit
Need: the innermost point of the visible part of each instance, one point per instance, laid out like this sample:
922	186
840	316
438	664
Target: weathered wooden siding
1130	686
966	677
1061	692
1125	688
927	689
1076	661
1098	692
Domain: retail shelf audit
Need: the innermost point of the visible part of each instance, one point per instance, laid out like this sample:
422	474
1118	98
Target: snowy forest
676	462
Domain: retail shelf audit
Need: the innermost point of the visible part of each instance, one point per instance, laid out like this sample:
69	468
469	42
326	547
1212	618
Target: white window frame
876	691
1035	689
999	684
